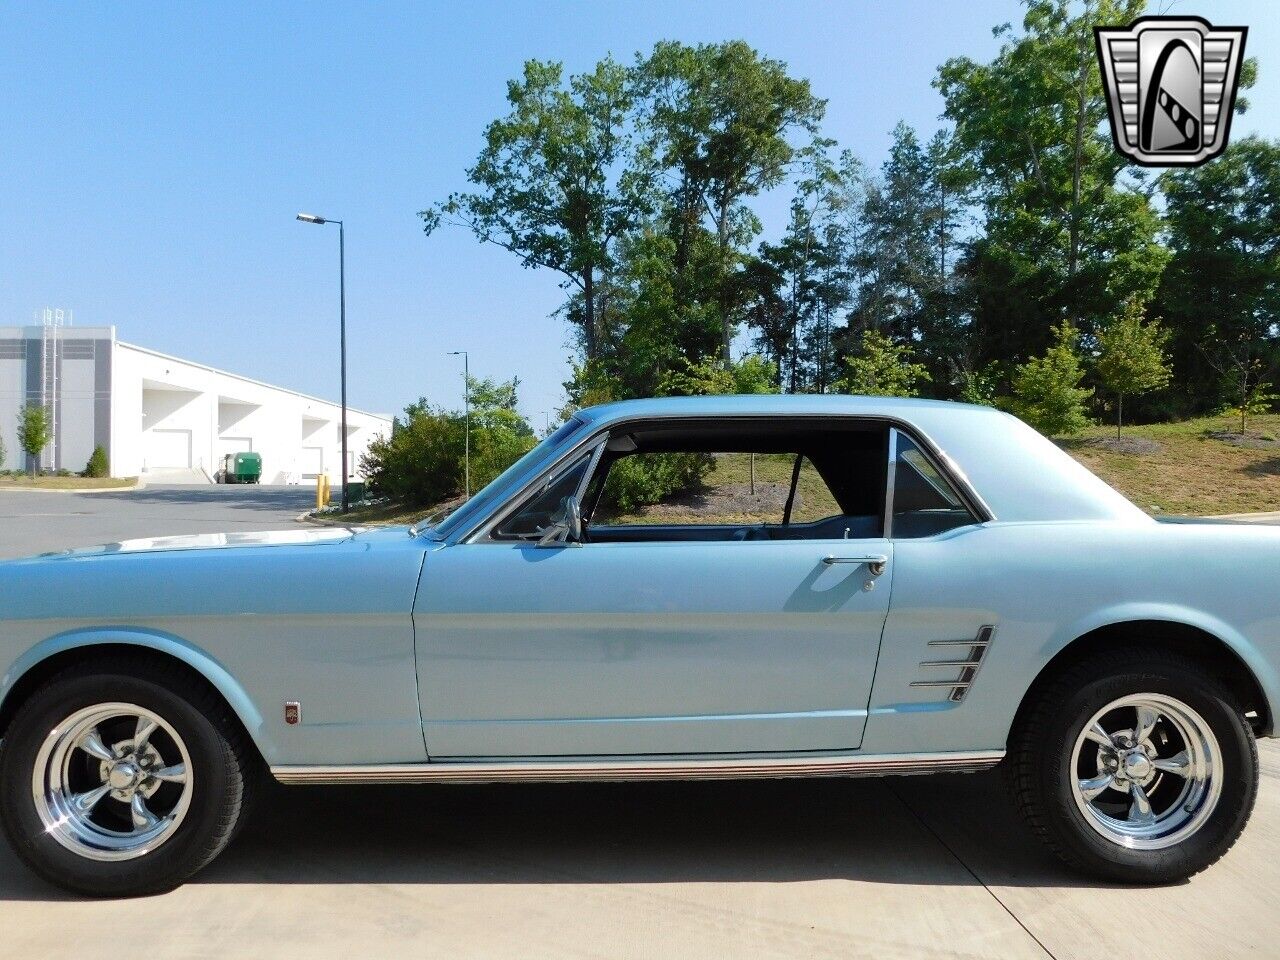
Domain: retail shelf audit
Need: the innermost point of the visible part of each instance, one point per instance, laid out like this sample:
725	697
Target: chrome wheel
112	782
1147	771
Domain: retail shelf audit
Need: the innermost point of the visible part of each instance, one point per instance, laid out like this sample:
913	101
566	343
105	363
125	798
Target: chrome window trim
514	504
642	768
478	532
890	481
947	469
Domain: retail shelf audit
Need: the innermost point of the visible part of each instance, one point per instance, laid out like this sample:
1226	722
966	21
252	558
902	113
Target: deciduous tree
1131	358
560	178
34	433
727	123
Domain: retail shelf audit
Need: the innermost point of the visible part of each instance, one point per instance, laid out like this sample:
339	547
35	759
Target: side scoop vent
970	654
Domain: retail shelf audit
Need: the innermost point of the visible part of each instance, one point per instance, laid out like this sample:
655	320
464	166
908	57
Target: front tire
1135	766
121	782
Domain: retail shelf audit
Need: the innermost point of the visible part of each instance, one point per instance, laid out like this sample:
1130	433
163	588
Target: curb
4	488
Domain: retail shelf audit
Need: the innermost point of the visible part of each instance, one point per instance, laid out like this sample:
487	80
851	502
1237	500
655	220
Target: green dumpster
242	467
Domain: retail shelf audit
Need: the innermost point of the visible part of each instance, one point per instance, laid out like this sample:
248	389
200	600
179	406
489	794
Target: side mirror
566	525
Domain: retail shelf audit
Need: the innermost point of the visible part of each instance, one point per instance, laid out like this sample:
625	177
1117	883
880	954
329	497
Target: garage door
311	462
233	445
167	449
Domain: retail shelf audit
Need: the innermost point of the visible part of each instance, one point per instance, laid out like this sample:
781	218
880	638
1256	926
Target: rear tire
1135	766
122	780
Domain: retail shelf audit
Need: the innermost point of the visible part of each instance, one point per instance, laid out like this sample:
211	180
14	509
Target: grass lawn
1181	468
1191	472
65	483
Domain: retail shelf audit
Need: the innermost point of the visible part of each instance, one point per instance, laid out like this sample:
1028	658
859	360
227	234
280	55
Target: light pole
466	405
342	328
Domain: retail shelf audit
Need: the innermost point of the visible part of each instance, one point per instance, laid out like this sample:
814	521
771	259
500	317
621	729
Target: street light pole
342	332
466	406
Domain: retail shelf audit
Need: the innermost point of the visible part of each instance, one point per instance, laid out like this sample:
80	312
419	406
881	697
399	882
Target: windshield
483	501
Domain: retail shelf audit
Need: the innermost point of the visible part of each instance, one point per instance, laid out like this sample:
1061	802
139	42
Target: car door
691	646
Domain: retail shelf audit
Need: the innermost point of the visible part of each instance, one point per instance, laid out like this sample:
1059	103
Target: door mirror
566	524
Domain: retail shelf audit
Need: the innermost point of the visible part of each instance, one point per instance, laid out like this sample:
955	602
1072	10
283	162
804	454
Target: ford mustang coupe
853	586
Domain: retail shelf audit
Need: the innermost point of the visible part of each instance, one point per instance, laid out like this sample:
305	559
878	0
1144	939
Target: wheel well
1218	659
112	656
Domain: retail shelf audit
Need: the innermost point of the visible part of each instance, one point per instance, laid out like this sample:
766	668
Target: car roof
771	404
1018	473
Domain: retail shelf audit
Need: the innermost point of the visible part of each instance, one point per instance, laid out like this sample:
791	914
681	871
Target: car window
725	487
924	501
758	479
534	516
488	498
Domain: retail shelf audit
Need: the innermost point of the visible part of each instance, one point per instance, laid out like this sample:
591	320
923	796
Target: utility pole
466	405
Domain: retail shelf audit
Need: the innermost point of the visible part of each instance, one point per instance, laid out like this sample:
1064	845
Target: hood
215	541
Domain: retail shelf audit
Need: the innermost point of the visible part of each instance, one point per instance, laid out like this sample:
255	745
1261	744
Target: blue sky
152	158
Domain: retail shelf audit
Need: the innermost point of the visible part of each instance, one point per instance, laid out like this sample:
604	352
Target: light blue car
937	588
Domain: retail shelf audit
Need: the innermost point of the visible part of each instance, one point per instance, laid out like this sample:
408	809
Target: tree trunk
589	313
1077	173
1119	413
722	230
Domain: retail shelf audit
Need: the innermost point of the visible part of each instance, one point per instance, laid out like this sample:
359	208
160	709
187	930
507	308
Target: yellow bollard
322	491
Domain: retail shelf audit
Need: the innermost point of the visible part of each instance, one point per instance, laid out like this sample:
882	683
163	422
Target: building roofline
241	377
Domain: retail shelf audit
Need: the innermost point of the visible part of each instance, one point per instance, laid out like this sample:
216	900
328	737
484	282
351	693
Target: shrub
97	465
1047	391
424	460
638	481
421	462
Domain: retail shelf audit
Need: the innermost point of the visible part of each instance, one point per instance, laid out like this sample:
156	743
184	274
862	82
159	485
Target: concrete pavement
919	867
923	867
35	521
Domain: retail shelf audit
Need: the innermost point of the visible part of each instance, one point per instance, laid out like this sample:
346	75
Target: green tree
797	285
882	368
1069	230
98	466
1253	401
1220	296
722	119
424	459
1046	390
751	374
979	386
560	178
1131	358
34	433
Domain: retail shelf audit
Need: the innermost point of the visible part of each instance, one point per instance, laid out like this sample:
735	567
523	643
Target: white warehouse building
159	417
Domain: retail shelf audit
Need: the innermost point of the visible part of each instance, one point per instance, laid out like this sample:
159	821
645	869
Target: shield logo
1171	87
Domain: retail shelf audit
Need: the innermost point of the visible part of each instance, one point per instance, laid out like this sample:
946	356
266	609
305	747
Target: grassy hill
1197	467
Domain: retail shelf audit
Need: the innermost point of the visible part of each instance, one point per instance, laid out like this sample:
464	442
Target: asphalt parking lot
35	521
924	867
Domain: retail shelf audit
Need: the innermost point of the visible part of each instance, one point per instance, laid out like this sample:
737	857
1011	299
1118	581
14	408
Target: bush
97	465
421	462
424	460
1047	391
640	480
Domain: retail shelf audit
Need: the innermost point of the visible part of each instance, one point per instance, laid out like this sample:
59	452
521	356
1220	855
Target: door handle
875	562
